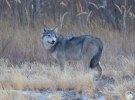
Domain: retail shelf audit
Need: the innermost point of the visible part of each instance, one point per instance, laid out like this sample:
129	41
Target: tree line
118	13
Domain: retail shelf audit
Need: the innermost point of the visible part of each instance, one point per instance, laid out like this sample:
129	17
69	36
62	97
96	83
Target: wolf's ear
46	28
56	30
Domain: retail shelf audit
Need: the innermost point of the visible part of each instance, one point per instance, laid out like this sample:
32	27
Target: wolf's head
49	37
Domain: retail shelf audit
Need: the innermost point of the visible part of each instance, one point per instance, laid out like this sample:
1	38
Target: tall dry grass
21	44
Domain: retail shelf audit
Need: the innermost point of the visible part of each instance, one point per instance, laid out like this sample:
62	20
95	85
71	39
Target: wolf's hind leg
99	70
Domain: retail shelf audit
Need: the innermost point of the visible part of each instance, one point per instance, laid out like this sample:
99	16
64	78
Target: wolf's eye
49	35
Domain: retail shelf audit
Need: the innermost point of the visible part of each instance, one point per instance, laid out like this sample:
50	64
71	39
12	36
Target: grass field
117	79
24	65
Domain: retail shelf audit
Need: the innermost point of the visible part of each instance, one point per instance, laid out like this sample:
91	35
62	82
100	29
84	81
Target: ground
35	81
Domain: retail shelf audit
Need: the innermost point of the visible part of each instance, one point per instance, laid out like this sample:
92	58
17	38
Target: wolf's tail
95	60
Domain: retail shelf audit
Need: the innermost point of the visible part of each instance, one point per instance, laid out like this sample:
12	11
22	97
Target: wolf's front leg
61	63
85	66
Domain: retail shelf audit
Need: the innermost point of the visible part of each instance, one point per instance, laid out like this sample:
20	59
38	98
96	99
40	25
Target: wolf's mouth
51	42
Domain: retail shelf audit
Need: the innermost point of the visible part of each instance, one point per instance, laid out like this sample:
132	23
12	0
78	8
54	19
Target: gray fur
85	48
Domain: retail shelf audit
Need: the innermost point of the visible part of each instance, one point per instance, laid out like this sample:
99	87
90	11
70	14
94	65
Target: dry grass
39	76
24	65
36	76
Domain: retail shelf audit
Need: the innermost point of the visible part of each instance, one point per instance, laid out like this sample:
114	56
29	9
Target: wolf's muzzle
51	42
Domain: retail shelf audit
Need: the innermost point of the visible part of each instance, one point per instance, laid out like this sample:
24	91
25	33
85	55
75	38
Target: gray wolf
85	48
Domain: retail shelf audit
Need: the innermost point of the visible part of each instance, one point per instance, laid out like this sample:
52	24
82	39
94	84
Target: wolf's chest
54	54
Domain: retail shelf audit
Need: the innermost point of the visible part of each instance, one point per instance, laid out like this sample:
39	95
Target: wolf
85	48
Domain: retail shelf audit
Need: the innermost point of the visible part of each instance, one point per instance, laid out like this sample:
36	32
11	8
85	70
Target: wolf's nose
53	41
